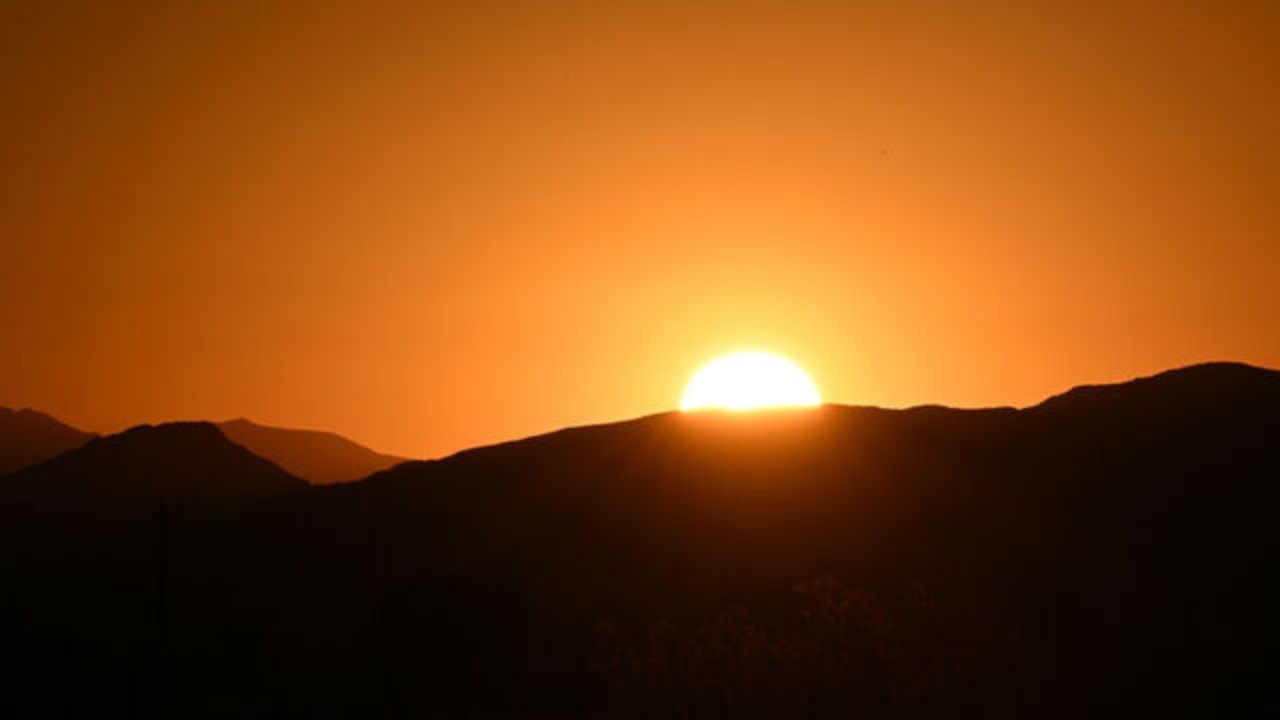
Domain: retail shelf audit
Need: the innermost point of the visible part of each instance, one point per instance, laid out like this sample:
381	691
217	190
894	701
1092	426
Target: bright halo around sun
749	380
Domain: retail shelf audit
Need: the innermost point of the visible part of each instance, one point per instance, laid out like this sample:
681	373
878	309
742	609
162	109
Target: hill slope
28	437
182	462
1107	552
321	458
1087	555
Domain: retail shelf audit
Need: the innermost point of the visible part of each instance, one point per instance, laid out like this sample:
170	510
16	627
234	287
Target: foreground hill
1107	552
321	458
28	437
176	462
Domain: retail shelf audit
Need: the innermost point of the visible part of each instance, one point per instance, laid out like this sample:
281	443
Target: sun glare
749	380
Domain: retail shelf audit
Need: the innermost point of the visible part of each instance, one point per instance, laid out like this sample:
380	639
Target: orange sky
429	226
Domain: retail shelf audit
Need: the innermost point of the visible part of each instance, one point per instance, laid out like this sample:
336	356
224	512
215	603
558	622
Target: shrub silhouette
835	648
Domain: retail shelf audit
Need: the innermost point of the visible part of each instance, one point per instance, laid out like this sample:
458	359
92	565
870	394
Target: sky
428	226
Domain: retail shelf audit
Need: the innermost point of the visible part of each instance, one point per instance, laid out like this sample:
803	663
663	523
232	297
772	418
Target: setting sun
749	381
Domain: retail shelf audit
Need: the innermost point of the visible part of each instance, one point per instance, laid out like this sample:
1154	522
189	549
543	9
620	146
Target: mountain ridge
180	461
29	436
1084	557
1199	376
1177	379
318	456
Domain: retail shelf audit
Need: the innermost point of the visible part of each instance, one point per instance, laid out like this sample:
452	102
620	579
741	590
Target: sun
749	380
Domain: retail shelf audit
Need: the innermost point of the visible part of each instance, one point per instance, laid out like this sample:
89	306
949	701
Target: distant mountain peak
320	457
31	414
29	436
176	461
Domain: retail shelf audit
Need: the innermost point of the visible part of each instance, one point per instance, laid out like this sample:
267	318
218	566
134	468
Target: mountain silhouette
320	458
1107	552
183	462
28	437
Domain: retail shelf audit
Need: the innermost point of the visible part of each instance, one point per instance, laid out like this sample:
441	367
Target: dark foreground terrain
1110	551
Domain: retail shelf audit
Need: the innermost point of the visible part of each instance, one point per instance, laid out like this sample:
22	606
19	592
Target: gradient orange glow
432	225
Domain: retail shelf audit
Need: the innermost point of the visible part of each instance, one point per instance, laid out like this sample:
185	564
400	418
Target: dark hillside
28	437
1107	552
